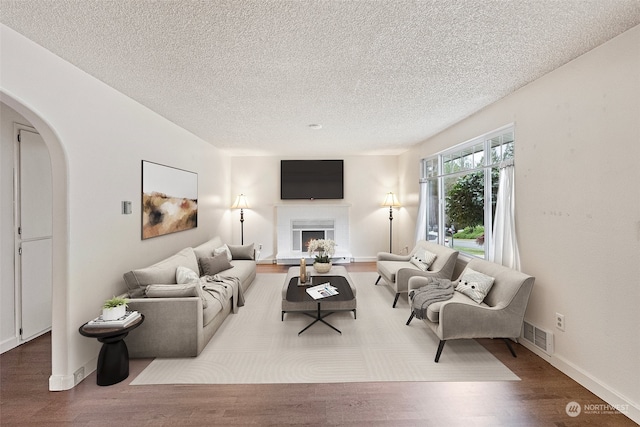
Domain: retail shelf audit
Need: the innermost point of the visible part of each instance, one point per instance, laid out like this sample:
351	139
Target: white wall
98	138
366	181
578	209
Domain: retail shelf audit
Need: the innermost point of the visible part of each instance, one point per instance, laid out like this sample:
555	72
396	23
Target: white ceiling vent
538	337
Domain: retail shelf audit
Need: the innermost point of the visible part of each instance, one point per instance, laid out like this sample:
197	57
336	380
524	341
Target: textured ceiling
379	76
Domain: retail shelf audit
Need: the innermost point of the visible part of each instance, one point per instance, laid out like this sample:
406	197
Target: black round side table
113	361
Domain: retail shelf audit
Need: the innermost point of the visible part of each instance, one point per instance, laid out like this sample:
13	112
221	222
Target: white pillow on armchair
423	259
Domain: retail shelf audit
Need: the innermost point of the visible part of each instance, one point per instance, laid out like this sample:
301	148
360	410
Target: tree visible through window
467	177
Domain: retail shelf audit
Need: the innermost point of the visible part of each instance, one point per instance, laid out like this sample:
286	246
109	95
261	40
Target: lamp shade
391	200
240	203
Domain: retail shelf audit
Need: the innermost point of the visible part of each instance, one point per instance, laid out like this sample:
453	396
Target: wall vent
538	337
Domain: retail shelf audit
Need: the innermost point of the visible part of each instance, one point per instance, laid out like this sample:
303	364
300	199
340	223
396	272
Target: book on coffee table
322	290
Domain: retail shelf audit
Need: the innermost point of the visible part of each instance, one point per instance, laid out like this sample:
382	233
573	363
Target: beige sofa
181	326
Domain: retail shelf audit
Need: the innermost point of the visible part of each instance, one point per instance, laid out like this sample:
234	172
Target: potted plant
325	249
114	308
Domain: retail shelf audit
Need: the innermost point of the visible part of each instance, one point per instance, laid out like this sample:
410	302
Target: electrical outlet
78	375
259	246
560	321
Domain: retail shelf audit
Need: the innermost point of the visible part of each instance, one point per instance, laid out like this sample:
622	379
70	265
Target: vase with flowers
325	249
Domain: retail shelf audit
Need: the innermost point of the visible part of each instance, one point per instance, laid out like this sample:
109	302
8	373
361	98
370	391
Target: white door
34	235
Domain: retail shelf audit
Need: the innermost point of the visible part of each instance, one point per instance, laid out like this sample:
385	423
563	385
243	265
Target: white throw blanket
218	286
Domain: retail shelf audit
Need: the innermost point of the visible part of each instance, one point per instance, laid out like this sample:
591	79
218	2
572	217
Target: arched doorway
60	378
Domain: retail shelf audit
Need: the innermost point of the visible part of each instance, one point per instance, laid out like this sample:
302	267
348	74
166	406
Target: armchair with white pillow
489	302
427	259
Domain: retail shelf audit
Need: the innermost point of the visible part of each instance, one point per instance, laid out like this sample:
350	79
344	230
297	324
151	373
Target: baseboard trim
9	344
61	382
67	382
616	400
365	259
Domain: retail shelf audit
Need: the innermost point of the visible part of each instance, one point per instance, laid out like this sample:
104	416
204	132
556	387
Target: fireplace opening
304	230
308	235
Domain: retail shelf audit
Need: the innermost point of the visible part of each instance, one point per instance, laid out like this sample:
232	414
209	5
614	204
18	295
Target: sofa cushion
214	265
241	251
474	284
206	249
433	311
171	291
213	308
245	270
161	273
218	296
390	268
423	259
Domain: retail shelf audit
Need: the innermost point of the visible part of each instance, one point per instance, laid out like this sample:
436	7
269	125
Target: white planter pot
114	313
322	267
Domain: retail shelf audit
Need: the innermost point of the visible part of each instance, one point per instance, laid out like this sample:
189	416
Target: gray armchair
396	270
500	315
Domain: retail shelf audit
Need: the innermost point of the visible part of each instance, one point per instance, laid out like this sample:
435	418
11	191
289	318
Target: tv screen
311	179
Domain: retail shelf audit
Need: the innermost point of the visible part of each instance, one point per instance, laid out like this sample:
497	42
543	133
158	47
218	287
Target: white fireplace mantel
331	217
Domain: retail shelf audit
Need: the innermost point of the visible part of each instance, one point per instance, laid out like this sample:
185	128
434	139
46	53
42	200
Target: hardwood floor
539	399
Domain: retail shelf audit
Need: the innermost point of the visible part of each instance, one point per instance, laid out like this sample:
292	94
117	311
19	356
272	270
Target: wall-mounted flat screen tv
311	179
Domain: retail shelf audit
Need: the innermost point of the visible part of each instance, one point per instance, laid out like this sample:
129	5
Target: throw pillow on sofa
214	265
241	251
474	284
224	249
185	276
163	272
207	248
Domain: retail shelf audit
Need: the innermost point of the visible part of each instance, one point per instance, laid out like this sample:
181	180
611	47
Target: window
460	187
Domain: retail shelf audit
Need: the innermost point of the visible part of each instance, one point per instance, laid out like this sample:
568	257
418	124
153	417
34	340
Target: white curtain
505	246
421	221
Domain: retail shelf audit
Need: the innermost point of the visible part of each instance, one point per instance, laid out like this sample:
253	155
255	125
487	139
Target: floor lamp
392	201
241	203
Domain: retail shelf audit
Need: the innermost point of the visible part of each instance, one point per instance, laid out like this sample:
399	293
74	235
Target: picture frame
169	200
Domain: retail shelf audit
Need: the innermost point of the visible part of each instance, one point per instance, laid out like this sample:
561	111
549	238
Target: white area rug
254	346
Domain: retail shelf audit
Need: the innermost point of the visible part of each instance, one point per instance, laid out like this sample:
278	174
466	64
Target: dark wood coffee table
297	293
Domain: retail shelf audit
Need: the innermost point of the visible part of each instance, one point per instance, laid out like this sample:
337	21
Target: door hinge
19	137
20	331
20	250
20	231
